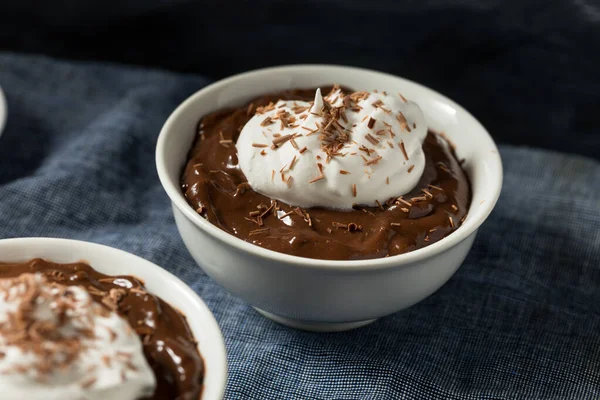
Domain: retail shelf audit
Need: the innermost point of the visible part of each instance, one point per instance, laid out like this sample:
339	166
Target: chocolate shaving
305	215
371	138
113	334
403	122
257	221
444	168
374	160
267	121
401	200
287	214
106	360
403	148
264	109
280	140
317	178
343	116
88	382
418	198
371	123
353	227
299	109
293	143
258	231
365	149
292	163
95	291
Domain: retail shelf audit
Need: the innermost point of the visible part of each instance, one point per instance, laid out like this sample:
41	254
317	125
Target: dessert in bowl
81	320
348	203
343	177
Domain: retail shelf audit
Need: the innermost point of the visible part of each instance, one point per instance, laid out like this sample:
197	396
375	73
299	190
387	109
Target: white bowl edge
3	111
112	261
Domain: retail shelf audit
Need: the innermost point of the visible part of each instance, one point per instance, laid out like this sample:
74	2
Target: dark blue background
529	70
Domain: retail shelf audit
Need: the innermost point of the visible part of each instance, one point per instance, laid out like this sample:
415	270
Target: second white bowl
157	281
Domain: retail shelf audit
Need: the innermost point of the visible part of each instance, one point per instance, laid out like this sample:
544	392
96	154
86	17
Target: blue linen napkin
519	320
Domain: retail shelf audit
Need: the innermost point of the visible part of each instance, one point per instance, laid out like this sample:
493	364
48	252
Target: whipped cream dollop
336	151
56	343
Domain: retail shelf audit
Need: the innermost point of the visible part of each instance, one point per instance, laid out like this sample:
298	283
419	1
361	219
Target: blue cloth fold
519	320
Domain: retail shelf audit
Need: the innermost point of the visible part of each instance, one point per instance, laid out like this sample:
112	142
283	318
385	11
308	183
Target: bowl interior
473	143
157	280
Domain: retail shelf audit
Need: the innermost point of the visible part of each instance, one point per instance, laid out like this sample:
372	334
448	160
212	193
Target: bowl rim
469	226
210	325
3	111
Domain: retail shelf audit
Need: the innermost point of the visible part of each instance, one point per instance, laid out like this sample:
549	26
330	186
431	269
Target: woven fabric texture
519	320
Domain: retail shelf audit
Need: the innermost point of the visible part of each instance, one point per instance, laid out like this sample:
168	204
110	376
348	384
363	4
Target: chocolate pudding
168	344
215	186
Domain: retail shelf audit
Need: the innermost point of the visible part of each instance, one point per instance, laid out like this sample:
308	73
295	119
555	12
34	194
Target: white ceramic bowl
157	280
317	294
3	111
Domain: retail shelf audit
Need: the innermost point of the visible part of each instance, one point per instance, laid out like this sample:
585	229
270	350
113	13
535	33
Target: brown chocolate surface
169	345
213	185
